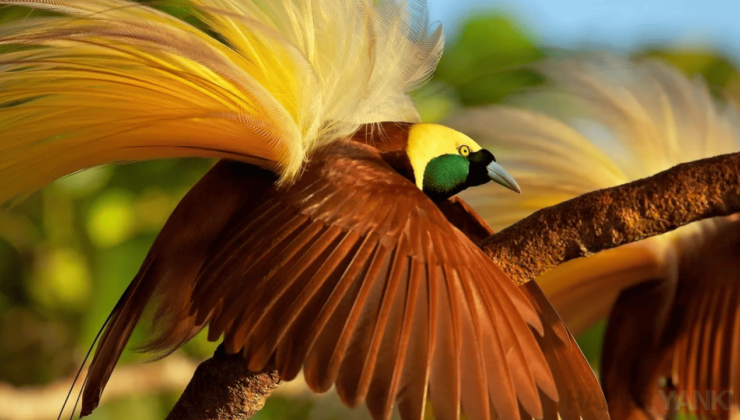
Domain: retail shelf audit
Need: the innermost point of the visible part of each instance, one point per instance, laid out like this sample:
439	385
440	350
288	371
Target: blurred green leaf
110	219
435	101
114	268
488	60
590	342
62	279
199	347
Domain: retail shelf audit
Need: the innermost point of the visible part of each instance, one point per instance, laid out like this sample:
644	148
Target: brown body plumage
354	275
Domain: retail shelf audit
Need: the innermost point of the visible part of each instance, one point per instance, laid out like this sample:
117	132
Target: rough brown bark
223	389
616	216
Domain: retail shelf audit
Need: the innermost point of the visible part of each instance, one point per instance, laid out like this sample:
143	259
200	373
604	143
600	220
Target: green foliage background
68	252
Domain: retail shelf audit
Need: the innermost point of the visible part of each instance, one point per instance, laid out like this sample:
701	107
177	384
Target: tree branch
223	389
617	216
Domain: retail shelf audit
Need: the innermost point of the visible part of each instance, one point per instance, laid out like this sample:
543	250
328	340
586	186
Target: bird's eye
464	150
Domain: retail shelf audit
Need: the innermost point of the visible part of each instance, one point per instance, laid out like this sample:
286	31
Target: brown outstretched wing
354	274
580	395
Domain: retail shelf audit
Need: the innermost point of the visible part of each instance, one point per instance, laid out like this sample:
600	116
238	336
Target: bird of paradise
328	238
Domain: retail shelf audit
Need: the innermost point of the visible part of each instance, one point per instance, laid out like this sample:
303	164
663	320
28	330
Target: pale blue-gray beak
501	177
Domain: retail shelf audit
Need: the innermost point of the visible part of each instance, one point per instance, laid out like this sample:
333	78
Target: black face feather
478	174
450	174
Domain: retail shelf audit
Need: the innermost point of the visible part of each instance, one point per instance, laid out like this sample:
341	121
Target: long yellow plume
606	121
115	80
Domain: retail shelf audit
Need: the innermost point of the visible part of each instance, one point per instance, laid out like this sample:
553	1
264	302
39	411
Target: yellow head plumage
428	141
445	162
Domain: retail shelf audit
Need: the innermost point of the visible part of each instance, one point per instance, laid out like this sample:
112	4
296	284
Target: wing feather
383	322
385	387
579	392
475	377
302	290
414	377
515	344
325	283
722	360
445	386
686	326
328	325
361	334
